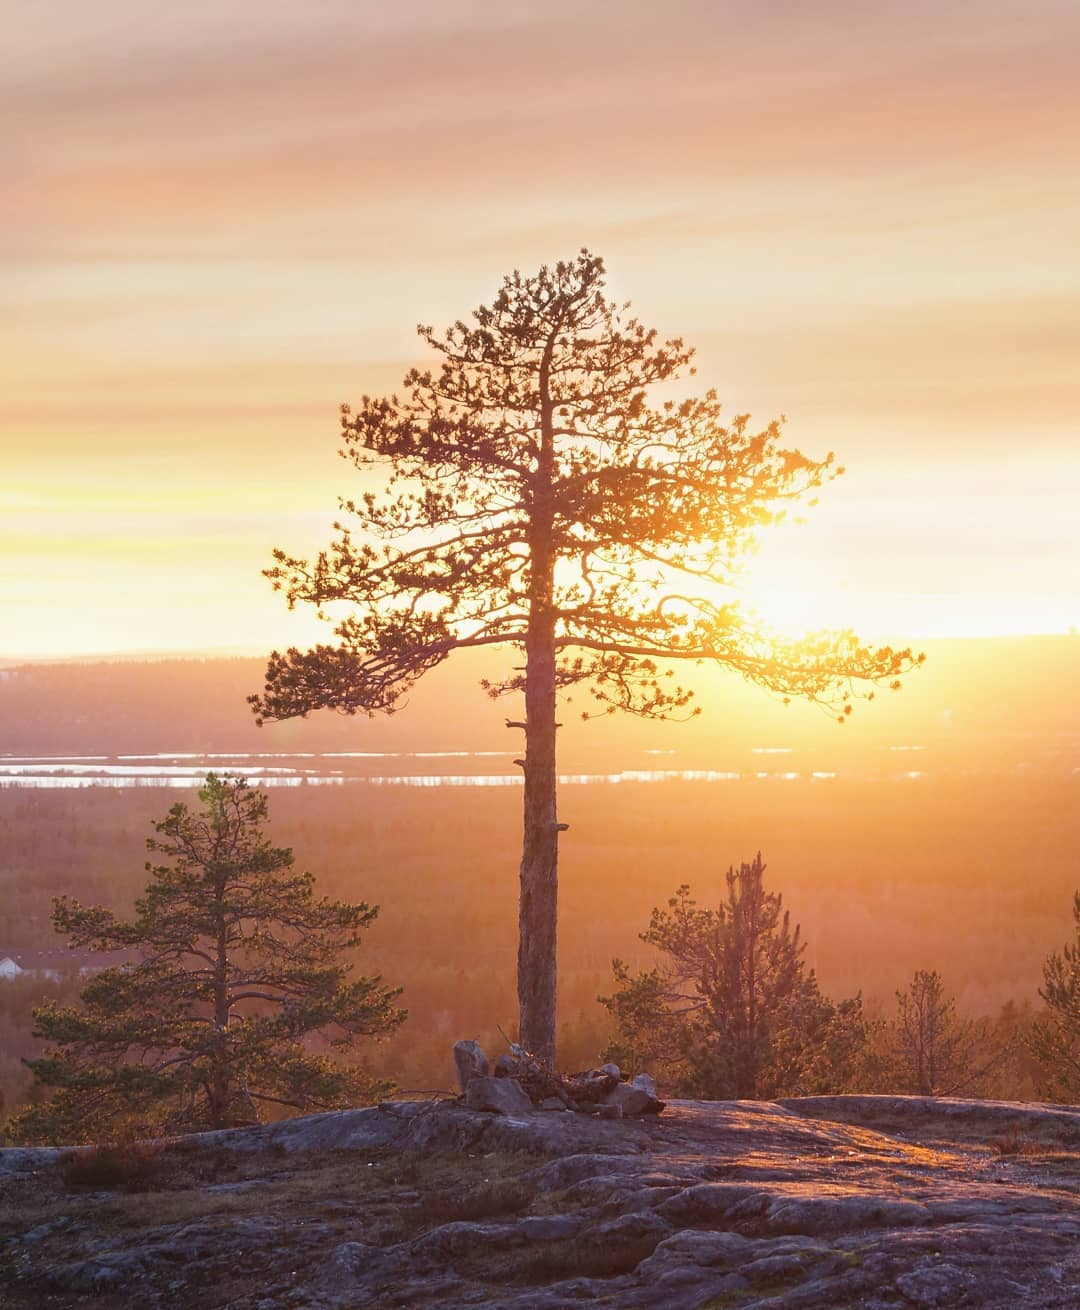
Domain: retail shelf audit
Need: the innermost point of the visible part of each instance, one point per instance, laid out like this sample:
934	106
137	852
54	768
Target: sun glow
793	598
793	590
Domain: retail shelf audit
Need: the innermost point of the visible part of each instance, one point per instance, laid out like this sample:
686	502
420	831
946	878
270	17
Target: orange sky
223	219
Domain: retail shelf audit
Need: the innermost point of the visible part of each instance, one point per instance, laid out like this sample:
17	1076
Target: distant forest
979	702
969	869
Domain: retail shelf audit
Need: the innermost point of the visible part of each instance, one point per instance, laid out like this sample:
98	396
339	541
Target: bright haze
224	219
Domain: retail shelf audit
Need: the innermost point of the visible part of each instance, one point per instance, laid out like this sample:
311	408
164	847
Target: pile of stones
519	1081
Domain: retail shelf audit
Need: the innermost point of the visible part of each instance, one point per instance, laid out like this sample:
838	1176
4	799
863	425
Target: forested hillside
973	877
980	701
960	856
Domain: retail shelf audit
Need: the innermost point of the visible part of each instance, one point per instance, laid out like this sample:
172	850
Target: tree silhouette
731	1011
1055	1036
536	497
234	963
936	1052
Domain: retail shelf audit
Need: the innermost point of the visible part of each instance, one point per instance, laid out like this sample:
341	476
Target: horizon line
152	654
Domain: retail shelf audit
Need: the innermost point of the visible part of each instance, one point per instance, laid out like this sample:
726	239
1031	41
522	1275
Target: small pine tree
732	1012
932	1051
1055	1036
232	967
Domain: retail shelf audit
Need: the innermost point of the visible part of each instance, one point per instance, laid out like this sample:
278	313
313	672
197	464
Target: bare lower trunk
538	906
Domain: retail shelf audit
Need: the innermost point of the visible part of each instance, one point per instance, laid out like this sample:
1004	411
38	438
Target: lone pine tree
535	497
234	962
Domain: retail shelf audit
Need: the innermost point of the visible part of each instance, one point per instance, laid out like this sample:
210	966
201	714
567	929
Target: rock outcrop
470	1062
521	1081
882	1203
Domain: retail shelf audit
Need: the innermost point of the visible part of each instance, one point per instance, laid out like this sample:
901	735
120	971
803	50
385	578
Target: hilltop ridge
883	1203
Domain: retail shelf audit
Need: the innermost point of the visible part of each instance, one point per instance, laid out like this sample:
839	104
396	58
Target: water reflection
183	769
96	775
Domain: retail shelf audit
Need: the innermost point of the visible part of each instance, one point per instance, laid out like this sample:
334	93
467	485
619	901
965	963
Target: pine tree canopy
533	471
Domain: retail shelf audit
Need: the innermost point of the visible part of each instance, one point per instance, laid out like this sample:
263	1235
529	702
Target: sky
223	219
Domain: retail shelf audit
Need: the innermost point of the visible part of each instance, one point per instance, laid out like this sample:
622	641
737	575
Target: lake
410	769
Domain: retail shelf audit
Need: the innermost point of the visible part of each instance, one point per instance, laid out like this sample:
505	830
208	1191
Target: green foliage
876	900
732	1011
233	991
1055	1036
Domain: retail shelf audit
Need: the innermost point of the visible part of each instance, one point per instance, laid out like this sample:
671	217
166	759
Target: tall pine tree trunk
538	904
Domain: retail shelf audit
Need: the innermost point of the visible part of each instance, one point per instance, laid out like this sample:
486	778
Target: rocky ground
875	1202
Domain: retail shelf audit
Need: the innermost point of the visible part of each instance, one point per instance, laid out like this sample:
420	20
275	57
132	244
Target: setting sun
197	293
791	593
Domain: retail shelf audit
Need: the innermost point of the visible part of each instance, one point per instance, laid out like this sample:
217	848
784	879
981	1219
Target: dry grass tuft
490	1199
579	1257
1013	1142
124	1165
